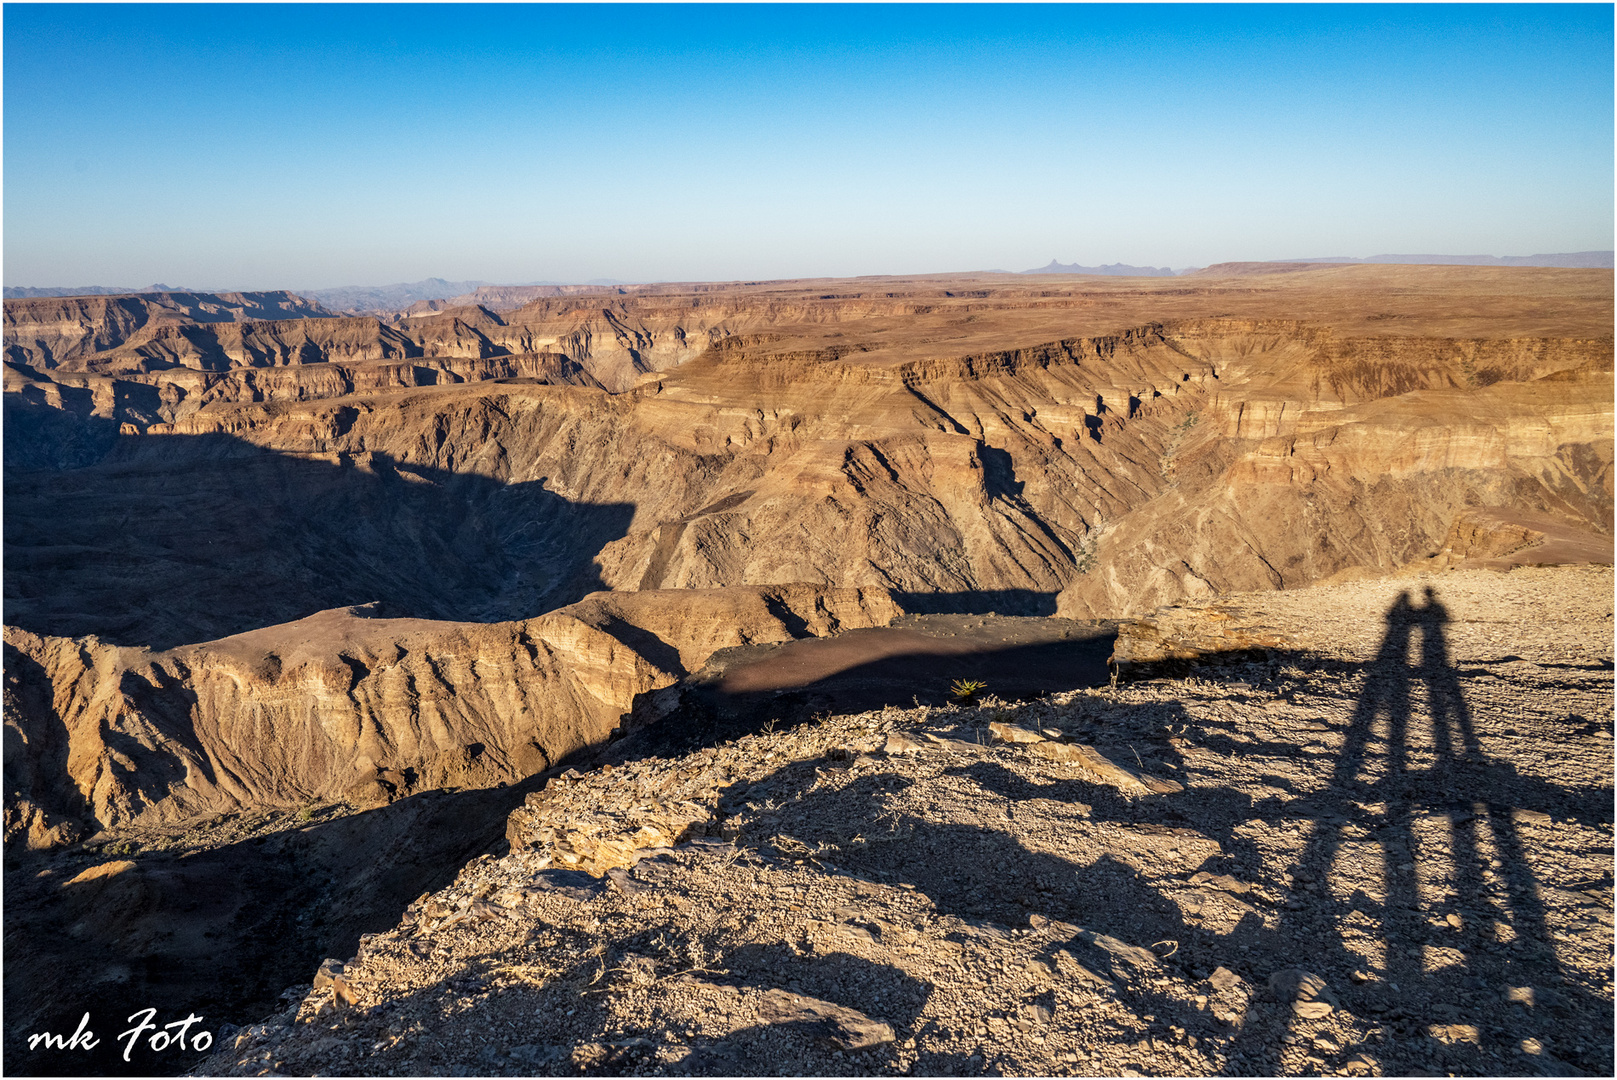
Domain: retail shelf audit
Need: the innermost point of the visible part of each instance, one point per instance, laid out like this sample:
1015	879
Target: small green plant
306	813
966	691
1086	558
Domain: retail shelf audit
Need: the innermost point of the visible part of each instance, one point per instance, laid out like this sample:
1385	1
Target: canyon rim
945	674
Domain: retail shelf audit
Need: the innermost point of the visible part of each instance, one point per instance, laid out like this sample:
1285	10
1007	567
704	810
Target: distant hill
134	309
24	292
1585	260
509	297
1592	260
376	298
1243	269
1108	270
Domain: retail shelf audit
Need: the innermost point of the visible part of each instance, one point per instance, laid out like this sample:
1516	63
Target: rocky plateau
602	671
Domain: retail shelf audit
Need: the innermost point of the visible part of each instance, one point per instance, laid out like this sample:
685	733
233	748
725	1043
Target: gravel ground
1392	855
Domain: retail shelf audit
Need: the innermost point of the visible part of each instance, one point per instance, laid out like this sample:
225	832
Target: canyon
287	590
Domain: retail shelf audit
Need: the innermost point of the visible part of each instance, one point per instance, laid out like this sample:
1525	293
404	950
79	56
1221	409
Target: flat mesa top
894	320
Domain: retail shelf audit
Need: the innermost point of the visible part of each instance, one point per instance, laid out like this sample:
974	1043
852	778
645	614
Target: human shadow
1411	755
255	537
1433	992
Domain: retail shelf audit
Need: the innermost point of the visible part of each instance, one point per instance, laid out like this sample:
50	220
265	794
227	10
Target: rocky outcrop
1368	487
1172	639
1498	538
782	902
45	332
343	705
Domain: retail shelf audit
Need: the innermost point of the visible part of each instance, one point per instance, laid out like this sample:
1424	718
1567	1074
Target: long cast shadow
254	537
755	688
1377	788
1471	790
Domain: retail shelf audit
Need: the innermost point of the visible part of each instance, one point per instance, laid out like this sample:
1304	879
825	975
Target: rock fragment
1452	1033
1102	769
328	971
959	745
844	1028
1014	734
1220	881
1310	998
899	743
1360	1065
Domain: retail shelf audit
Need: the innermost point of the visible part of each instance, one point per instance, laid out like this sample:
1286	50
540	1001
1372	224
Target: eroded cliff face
1367	488
470	470
160	341
45	332
346	706
275	584
1117	473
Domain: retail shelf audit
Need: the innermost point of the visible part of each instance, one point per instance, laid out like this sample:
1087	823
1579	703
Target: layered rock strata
342	706
1096	477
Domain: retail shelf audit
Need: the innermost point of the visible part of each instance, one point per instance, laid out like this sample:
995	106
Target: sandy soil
1392	855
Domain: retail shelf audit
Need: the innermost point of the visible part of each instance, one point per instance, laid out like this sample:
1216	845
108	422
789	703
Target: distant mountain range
24	292
344	298
1109	270
387	297
391	298
399	297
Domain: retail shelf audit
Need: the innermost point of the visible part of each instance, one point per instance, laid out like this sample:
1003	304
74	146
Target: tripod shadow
1458	918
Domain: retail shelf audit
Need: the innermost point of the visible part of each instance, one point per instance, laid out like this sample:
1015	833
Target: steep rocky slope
1098	476
46	332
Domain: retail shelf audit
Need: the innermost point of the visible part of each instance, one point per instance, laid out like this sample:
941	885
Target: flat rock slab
918	658
1307	993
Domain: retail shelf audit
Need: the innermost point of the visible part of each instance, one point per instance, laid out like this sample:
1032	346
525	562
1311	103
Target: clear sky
306	146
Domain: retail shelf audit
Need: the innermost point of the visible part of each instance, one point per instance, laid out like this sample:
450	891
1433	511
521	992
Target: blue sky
307	146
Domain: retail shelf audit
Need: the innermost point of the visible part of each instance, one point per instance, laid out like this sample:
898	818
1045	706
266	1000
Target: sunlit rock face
245	470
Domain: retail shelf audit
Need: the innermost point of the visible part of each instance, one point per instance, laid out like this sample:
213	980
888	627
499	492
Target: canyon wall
483	480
